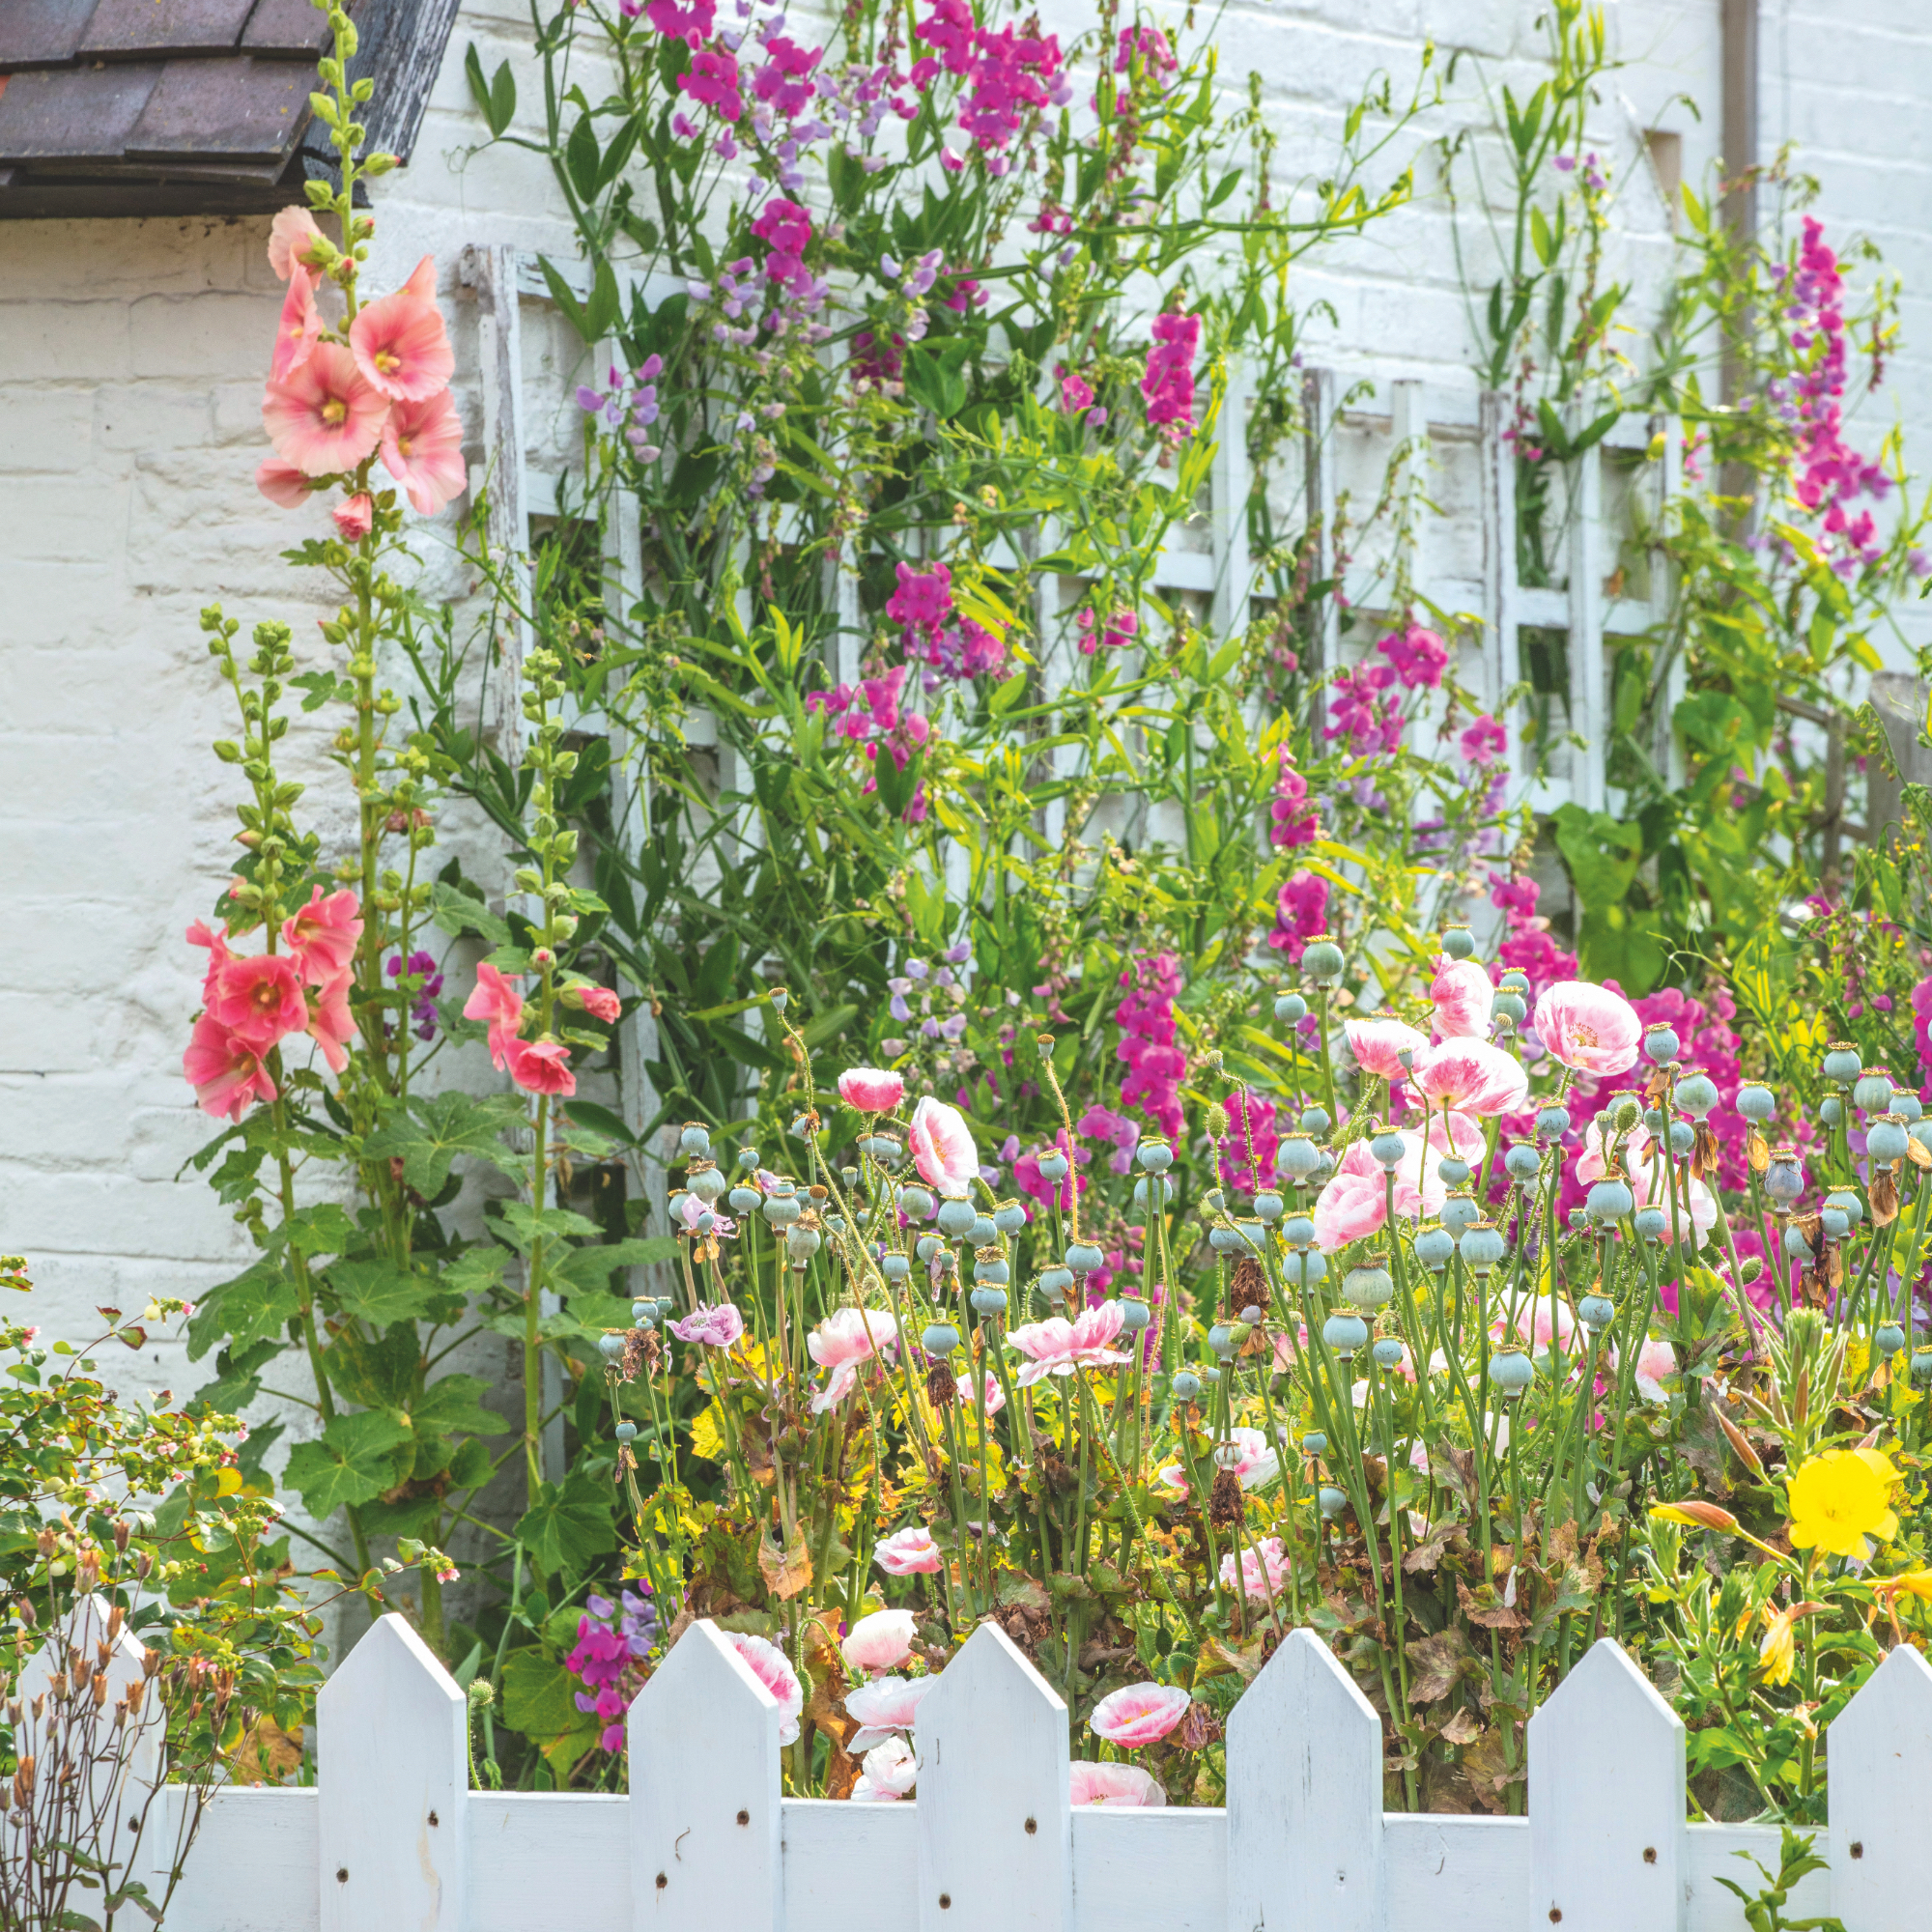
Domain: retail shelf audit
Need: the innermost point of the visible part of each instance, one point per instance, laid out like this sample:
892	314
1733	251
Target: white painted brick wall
130	357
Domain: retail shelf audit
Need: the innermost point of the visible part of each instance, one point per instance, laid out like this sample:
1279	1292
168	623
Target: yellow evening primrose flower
1908	1582
1778	1651
1840	1499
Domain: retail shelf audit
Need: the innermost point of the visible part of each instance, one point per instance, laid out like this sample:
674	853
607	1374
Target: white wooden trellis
392	1839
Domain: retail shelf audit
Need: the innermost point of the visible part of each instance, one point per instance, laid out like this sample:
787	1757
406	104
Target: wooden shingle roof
118	108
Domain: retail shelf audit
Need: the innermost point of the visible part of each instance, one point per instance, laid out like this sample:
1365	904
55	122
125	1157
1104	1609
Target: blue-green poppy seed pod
1209	1374
1252	1234
1836	1222
1314	1121
1184	1385
1842	1200
1226	1240
1907	1105
1322	960
989	1267
895	1268
1453	1170
1213	1202
643	1312
1083	1256
1009	1216
1314	1443
1345	1334
1886	1138
782	1210
1433	1248
1296	1158
1922	1132
1596	1312
611	1347
1221	1339
705	1181
1652	1223
780	998
1890	1338
694	1137
1660	1045
1796	1246
748	1159
1481	1246
1683	1138
1783	1178
1290	1008
1270	1207
1368	1289
927	1246
1305	1267
1387	1352
1610	1200
1653	1120
955	1217
674	1203
1831	1109
1516	980
1053	1165
987	1302
1508	1007
1298	1231
1324	1165
1871	1092
915	1203
1579	1221
1388	1147
983	1234
1154	1188
1154	1153
1922	1368
945	1262
745	1200
1696	1095
1332	1501
939	1338
1135	1315
627	1431
1522	1162
801	1243
1458	1211
708	1220
665	1306
1457	942
1055	1281
1552	1123
1512	1371
1843	1062
1755	1102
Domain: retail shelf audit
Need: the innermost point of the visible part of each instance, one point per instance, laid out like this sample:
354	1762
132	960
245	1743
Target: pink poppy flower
1056	1347
321	936
1257	1463
500	1002
1263	1570
401	346
1290	1348
1378	1044
881	1641
690	1210
291	236
1473	1076
1354	1201
331	1024
1143	1714
325	417
353	519
888	1772
908	1553
872	1090
1641	1160
846	1340
300	329
225	1071
710	1326
1588	1029
422	449
542	1066
1418	1174
1655	1360
996	1396
258	999
885	1706
769	1666
283	483
1529	1318
1114	1786
1461	995
942	1148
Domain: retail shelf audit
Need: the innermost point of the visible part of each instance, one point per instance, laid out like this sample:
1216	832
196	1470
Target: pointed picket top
392	1771
706	1845
1879	1765
1304	1796
995	1816
1607	1801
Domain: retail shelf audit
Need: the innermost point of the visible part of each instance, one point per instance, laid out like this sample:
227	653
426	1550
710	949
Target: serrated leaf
455	913
569	1523
377	1291
442	1126
454	1406
256	1306
522	1225
357	1458
322	1229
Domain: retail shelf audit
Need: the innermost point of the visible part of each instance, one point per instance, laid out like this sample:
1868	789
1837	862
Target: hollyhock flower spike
1588	1029
402	347
1461	995
1378	1044
881	1641
886	1705
226	1072
872	1090
1471	1076
1114	1786
910	1553
300	329
422	449
1143	1714
769	1666
291	236
943	1148
500	1002
542	1066
323	934
326	418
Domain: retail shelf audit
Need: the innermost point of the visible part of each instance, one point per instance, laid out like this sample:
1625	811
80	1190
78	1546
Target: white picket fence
394	1840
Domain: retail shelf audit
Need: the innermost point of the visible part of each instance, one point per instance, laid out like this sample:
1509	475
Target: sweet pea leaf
357	1458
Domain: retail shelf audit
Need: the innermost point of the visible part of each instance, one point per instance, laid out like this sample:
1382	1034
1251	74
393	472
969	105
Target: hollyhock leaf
377	1291
322	1229
357	1458
569	1523
439	1128
256	1306
540	1700
590	1267
376	1371
520	1225
455	1404
456	912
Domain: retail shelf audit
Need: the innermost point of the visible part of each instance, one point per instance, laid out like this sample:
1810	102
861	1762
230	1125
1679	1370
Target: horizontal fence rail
394	1840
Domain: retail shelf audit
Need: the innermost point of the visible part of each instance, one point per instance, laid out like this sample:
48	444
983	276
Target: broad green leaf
357	1458
454	1405
570	1523
443	1126
256	1306
522	1225
322	1229
455	913
377	1291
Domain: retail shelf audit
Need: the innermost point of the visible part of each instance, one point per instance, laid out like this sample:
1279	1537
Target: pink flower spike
1143	1714
283	483
326	418
1378	1044
881	1641
402	347
299	330
907	1553
354	518
872	1090
710	1326
291	236
500	1002
769	1666
1114	1786
225	1071
885	1705
422	449
942	1148
1588	1029
1473	1076
542	1066
1463	996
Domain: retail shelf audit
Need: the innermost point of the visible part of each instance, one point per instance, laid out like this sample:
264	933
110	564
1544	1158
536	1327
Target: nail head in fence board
393	1783
704	1754
992	1759
1605	1791
1879	1768
1304	1798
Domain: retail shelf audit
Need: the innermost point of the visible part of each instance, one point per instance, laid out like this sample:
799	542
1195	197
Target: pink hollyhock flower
300	329
1114	1786
331	1024
283	483
225	1071
258	999
769	1666
881	1641
1143	1714
1473	1076
846	1340
1588	1029
886	1774
599	1002
326	417
888	1704
218	954
401	346
354	518
422	449
1463	996
943	1148
542	1066
1655	1360
872	1090
1641	1158
1377	1045
908	1553
322	935
1263	1570
1056	1347
291	236
710	1326
500	1002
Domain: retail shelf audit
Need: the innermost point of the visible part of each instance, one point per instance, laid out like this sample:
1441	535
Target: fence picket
1879	1767
1304	1798
995	1815
1607	1801
706	1838
393	1776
